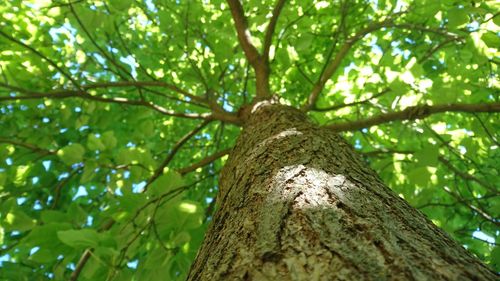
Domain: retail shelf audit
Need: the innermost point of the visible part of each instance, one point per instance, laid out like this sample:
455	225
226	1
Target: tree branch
216	114
466	176
144	83
88	252
244	36
259	63
101	50
159	171
339	106
271	27
412	113
204	161
344	49
64	94
333	65
473	208
51	62
81	263
344	7
29	146
441	32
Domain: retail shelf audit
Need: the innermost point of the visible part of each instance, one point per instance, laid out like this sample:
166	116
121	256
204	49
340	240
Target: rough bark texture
297	203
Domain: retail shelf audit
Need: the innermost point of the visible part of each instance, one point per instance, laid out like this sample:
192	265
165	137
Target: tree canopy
116	117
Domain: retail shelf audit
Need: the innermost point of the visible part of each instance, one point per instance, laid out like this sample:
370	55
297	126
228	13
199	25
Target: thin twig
159	171
36	52
339	106
204	161
145	83
333	65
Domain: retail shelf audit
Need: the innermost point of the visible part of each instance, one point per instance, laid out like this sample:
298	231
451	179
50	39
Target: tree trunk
297	203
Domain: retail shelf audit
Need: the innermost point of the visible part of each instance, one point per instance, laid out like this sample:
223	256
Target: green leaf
120	5
428	156
304	42
43	255
90	19
491	39
168	181
83	238
129	156
22	173
100	263
457	17
3	178
147	128
419	176
109	140
17	220
45	235
49	216
94	143
71	154
181	238
88	171
495	258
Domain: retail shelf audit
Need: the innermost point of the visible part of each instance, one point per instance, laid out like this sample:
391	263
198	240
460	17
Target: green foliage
74	169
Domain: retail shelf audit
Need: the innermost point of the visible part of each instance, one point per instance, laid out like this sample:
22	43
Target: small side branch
271	27
339	106
466	176
101	50
144	84
42	56
64	94
204	161
159	171
29	146
473	208
333	65
412	113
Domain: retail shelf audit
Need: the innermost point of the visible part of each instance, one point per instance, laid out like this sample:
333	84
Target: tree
118	116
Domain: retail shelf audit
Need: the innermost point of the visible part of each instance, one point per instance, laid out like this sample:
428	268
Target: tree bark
297	203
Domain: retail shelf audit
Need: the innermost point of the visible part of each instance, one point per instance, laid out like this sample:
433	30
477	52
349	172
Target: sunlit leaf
71	154
79	238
